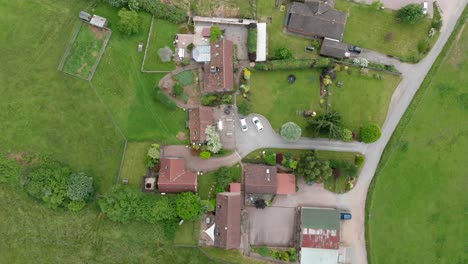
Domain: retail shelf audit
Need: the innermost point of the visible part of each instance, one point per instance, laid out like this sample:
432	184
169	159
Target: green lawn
208	180
232	256
163	35
188	233
417	203
134	166
367	27
185	78
219	8
128	93
276	37
363	98
85	51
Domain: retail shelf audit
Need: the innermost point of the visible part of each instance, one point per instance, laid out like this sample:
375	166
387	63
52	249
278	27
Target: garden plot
83	56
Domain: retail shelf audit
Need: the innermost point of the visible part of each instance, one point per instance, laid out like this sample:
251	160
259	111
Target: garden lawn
417	203
43	110
134	166
272	96
188	233
362	98
185	78
367	27
205	182
163	35
85	51
276	37
219	8
128	93
231	256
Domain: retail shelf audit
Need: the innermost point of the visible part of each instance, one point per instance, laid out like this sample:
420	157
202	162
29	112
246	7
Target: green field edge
405	120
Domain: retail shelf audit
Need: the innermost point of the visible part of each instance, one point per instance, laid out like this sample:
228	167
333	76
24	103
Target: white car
257	123
424	7
243	123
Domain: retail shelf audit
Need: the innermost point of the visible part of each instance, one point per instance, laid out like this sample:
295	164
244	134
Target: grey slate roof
319	218
333	49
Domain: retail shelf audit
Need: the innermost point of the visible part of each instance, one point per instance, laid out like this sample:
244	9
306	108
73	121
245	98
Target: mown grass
208	181
128	93
417	202
162	36
134	165
188	233
85	51
367	27
185	78
219	8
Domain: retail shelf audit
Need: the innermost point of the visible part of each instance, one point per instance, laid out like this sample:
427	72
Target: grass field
367	27
417	202
128	93
85	51
361	99
188	233
134	166
218	8
163	35
276	37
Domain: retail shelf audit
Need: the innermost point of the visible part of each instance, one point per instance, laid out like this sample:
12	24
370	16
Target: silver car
243	123
257	123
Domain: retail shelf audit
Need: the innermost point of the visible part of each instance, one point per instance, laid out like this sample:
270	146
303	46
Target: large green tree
370	133
329	123
188	206
80	187
410	14
120	204
129	22
311	167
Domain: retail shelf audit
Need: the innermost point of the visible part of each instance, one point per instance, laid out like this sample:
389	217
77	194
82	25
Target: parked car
424	7
310	183
310	48
354	49
257	123
345	216
243	123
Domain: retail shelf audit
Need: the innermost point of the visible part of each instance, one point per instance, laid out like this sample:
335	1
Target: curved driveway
353	233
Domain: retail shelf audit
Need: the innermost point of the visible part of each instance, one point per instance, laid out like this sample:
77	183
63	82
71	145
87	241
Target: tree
120	203
363	62
370	133
49	182
283	53
129	22
244	107
163	209
290	131
223	177
188	206
410	14
213	141
80	187
311	168
270	158
346	135
329	123
153	155
215	34
260	204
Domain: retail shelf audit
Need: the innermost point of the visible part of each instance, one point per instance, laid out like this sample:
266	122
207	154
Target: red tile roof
206	32
235	187
174	178
227	231
218	74
260	178
320	238
286	183
199	119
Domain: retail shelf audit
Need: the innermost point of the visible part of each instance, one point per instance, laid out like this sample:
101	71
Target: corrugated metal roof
261	42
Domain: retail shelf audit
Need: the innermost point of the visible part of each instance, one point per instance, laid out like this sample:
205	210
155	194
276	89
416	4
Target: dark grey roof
316	18
320	218
333	49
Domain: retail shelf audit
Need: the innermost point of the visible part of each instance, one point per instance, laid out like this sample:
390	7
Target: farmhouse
319	237
263	179
227	231
199	119
218	73
174	178
334	49
316	18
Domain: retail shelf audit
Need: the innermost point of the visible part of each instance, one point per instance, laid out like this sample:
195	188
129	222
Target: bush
163	11
270	158
76	206
80	187
263	251
188	206
153	155
213	141
209	100
283	54
292	64
215	33
359	161
410	14
244	107
164	99
423	47
178	89
252	39
190	47
247	74
346	135
370	133
227	99
363	62
205	155
129	22
290	131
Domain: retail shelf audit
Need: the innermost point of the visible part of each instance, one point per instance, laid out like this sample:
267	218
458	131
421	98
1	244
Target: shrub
346	135
290	131
178	89
270	158
283	53
252	39
80	187
223	177
76	206
190	47
215	34
213	141
209	100
370	133
164	99
247	74
311	168
129	22
410	14
292	64
188	206
227	99
359	161
263	251
205	155
163	11
153	155
363	62
377	5
244	107
119	204
423	47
